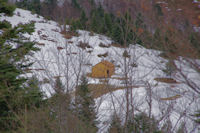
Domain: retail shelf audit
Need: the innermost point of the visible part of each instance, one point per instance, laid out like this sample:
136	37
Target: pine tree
142	123
59	88
85	105
6	8
108	23
117	33
115	126
12	90
94	23
83	19
34	96
197	116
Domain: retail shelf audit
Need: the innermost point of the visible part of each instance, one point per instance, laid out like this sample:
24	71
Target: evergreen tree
142	123
117	33
75	24
59	88
6	8
94	23
76	4
32	5
83	19
197	116
108	23
34	96
85	105
13	94
115	126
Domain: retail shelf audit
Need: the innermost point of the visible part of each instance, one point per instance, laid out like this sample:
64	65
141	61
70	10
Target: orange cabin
104	69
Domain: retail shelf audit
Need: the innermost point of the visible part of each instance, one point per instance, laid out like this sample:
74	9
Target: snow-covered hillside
67	59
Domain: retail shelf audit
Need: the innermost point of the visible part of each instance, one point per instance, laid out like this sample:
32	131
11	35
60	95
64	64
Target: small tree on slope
85	105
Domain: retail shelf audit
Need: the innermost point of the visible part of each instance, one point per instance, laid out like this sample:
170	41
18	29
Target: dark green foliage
6	8
84	103
115	126
5	24
33	96
157	39
158	10
139	21
75	24
32	5
117	34
94	23
108	23
76	4
170	68
197	116
194	40
122	29
142	123
13	94
59	88
83	19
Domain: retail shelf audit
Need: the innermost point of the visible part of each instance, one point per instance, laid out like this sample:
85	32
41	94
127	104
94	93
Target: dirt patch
117	45
171	98
40	44
69	35
103	55
126	55
60	48
120	78
101	89
55	30
84	45
91	34
166	80
70	42
104	45
90	51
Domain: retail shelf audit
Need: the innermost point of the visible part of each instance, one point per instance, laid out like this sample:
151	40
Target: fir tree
85	105
142	123
115	126
59	88
6	8
197	117
34	96
83	19
108	23
12	90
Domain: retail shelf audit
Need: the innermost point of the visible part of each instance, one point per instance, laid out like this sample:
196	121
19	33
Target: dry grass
104	45
40	44
69	35
103	55
120	78
117	45
166	80
101	89
171	98
84	45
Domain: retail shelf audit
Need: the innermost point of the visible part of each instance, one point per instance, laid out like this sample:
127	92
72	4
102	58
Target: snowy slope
61	57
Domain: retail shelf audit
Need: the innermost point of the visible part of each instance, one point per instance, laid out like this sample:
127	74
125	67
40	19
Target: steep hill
141	74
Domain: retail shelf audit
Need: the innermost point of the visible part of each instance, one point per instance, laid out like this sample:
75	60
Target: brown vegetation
103	55
166	80
84	45
104	45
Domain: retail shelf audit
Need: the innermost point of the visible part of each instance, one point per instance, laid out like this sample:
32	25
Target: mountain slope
68	57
